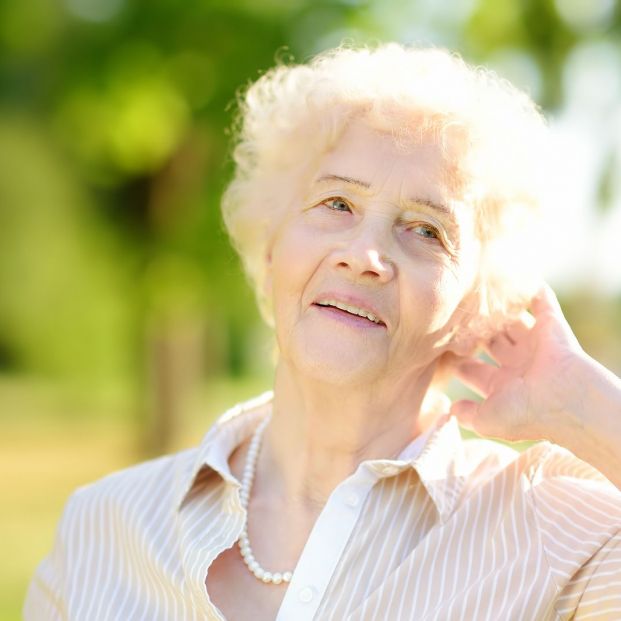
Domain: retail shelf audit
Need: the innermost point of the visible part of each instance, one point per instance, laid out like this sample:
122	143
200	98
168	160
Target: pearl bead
244	496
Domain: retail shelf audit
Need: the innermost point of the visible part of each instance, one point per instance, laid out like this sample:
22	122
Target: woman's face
382	231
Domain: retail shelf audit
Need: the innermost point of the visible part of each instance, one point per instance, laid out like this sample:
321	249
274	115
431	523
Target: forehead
425	165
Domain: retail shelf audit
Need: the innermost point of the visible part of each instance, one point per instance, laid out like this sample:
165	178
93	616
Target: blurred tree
113	259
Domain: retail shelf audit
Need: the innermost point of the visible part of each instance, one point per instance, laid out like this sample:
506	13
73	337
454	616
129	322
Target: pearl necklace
244	543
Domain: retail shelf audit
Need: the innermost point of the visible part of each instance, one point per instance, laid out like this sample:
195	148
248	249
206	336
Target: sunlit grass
43	463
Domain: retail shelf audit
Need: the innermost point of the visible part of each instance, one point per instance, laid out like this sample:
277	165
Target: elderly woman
384	206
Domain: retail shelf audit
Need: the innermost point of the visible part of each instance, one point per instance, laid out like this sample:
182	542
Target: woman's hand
544	386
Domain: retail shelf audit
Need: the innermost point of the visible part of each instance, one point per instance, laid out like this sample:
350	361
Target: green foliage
112	122
62	306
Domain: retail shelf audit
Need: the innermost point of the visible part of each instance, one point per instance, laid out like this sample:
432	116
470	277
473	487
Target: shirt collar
224	436
436	455
437	458
441	466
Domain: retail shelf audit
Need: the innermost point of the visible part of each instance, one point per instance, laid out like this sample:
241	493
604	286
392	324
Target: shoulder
547	470
578	516
575	510
115	531
575	505
129	492
102	527
567	498
162	482
563	482
569	508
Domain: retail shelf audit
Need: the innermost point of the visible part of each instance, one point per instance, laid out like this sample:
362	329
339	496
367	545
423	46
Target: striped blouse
451	529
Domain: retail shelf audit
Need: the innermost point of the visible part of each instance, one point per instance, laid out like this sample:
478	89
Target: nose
364	256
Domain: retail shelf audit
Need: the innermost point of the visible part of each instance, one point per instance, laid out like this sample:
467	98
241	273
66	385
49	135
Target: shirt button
352	500
305	595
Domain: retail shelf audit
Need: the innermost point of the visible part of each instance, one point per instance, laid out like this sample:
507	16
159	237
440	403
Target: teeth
354	310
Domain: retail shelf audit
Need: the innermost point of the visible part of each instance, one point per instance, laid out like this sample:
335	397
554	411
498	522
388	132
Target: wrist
592	423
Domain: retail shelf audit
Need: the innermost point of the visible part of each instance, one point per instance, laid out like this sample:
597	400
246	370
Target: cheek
295	256
442	301
434	295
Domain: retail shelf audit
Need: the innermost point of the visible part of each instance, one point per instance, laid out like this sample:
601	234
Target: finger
500	347
506	344
520	329
477	375
545	302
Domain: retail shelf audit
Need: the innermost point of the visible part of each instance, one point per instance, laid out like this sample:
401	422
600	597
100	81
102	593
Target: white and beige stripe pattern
464	530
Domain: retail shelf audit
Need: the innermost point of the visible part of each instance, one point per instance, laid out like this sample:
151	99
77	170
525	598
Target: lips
352	305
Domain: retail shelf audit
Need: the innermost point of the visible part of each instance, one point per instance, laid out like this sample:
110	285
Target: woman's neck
320	433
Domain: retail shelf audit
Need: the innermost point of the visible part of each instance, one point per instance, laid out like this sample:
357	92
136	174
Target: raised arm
544	386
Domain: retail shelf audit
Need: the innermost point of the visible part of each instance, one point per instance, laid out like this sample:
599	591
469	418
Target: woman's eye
337	204
425	230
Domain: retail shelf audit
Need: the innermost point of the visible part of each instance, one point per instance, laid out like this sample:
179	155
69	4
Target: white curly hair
295	113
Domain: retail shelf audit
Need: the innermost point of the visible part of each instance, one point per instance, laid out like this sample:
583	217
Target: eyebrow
364	184
350	180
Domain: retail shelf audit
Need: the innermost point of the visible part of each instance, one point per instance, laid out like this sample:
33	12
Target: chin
336	362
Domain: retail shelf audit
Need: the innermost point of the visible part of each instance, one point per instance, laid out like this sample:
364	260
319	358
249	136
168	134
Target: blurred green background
125	322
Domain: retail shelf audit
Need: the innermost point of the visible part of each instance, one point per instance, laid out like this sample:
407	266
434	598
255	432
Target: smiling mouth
353	312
